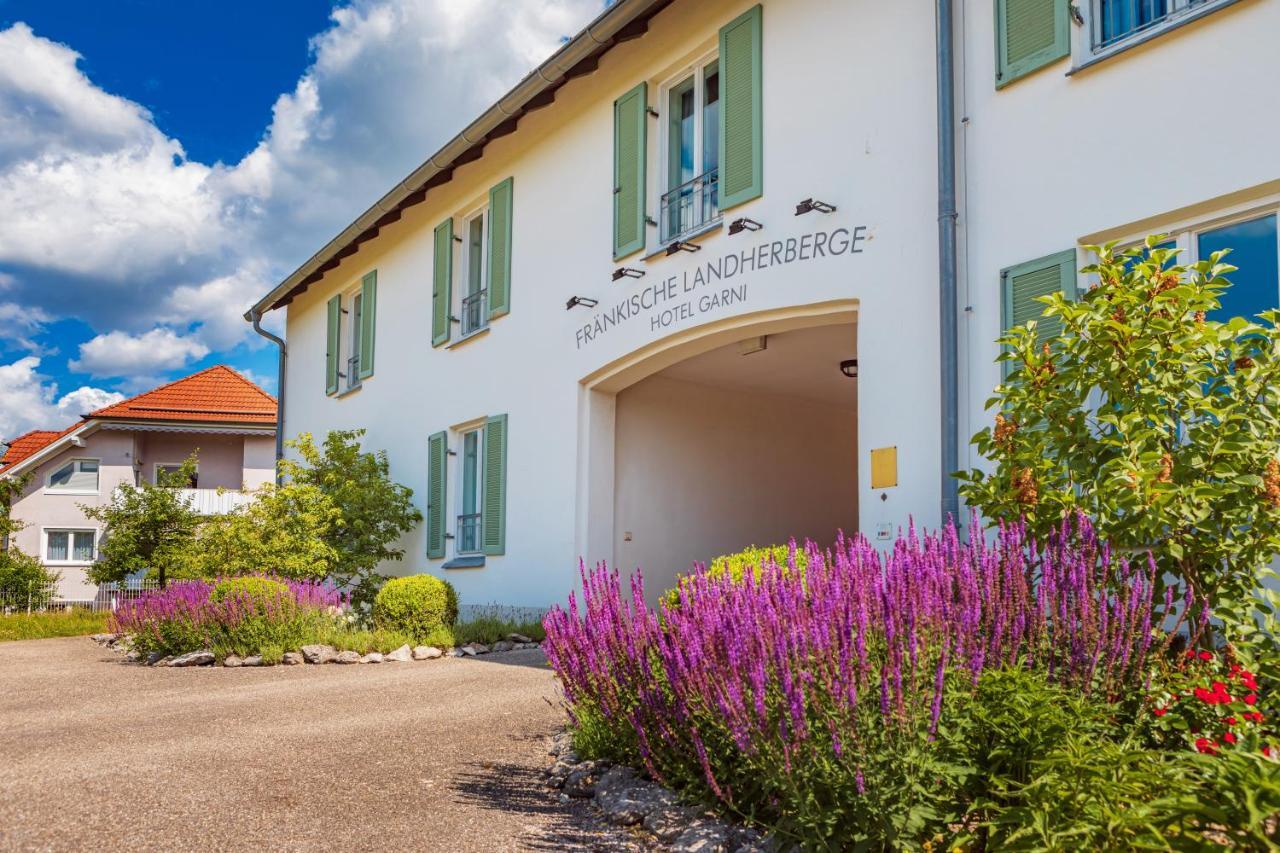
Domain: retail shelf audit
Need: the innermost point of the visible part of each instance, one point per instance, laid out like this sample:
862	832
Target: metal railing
474	316
1117	20
469	533
690	206
45	598
353	371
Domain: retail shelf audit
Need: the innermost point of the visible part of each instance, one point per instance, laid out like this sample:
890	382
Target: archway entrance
750	441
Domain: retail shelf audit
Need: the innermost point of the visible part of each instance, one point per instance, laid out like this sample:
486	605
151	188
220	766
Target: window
469	506
173	468
472	310
350	344
1255	250
1114	21
690	197
70	546
79	476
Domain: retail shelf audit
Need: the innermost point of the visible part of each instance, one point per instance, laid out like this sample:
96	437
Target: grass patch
61	623
360	640
490	629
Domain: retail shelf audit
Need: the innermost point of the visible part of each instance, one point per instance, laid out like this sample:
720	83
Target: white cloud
32	403
104	218
122	354
19	322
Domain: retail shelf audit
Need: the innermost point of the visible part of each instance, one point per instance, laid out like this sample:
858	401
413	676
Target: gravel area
434	755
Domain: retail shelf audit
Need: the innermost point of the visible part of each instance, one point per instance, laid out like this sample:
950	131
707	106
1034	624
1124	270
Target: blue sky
162	164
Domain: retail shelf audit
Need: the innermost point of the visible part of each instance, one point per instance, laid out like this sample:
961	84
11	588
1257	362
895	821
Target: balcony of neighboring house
214	501
691	207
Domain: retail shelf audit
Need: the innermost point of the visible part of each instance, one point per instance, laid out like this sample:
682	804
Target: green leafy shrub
416	605
271	654
347	638
259	591
736	565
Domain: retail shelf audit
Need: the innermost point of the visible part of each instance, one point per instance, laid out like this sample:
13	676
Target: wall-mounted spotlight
682	246
849	367
627	272
810	204
742	223
584	301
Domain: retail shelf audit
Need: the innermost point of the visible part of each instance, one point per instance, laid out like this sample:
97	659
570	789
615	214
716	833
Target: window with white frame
79	476
473	308
1255	249
690	150
70	546
161	468
470	485
1116	21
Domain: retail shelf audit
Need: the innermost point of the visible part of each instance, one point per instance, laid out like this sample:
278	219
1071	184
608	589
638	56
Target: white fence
214	501
41	599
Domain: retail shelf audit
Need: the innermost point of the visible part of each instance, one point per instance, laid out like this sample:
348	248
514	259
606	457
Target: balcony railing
469	533
690	206
353	371
473	311
214	501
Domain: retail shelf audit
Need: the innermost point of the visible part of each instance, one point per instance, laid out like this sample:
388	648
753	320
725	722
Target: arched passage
735	433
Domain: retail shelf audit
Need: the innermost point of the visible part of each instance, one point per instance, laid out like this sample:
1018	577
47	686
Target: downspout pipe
255	317
948	315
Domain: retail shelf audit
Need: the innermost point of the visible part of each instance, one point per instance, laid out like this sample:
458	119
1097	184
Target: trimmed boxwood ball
259	591
417	605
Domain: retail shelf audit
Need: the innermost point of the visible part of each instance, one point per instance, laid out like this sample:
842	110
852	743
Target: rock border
315	654
627	798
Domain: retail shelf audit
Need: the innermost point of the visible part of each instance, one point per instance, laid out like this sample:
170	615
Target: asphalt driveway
433	755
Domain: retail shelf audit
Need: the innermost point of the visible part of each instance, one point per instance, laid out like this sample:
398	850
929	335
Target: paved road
437	755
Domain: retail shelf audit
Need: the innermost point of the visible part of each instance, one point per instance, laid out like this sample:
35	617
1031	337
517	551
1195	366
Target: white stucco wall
873	157
704	471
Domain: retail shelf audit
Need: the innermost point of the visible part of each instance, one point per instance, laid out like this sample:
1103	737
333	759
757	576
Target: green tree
1161	425
373	512
145	528
282	532
21	575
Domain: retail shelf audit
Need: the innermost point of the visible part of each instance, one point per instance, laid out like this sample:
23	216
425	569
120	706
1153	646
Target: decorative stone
347	657
502	646
319	654
426	653
469	650
399	655
103	639
372	657
581	782
154	658
293	659
232	661
456	653
132	657
703	837
252	660
204	657
519	638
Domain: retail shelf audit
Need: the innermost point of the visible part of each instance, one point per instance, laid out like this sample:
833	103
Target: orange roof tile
26	444
217	394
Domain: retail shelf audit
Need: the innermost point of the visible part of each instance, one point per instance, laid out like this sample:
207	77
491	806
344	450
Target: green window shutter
442	284
741	130
630	155
494	533
1030	34
331	346
437	459
1023	284
500	249
368	321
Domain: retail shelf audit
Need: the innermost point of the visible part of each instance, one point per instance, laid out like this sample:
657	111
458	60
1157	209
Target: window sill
71	492
694	235
1105	53
478	333
347	392
466	561
68	563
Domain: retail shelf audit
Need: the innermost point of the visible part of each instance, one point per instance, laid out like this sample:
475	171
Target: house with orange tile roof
228	422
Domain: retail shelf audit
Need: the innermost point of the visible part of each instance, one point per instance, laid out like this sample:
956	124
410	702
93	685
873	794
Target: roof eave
608	29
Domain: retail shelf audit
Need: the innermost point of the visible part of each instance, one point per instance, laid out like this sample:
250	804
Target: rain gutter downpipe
948	317
255	317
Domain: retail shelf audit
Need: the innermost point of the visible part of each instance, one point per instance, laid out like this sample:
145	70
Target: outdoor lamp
810	204
627	272
742	223
584	301
849	367
682	246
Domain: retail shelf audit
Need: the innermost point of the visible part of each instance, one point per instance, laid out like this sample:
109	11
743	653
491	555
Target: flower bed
884	699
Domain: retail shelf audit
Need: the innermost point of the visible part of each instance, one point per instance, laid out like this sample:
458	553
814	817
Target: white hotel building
613	317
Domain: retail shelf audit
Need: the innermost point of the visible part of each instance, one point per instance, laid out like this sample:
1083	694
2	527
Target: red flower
1229	737
1266	750
1231	721
1251	699
1160	712
1206	656
1206	746
1195	730
1191	653
1254	716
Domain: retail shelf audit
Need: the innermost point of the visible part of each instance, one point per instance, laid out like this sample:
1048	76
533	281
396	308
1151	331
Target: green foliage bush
260	592
736	565
417	605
